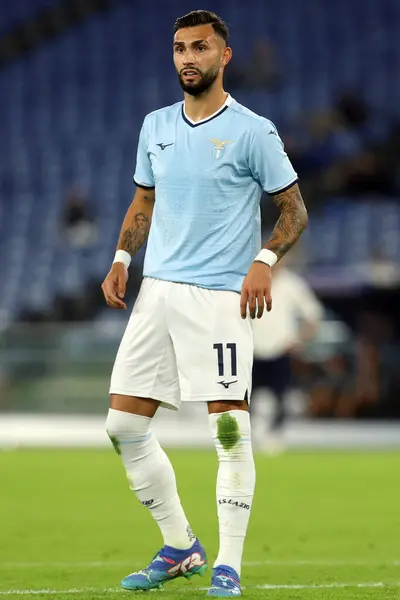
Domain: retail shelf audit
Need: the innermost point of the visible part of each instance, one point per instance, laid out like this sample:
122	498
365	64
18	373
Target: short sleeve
143	173
268	161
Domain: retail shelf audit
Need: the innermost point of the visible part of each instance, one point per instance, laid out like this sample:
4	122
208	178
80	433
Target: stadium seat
71	112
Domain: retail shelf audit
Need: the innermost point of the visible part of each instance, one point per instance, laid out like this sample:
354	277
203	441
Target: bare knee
221	406
145	407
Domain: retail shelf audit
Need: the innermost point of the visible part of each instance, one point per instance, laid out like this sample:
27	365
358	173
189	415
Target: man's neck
201	107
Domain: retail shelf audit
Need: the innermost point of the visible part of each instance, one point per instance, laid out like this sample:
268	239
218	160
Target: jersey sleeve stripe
143	185
284	188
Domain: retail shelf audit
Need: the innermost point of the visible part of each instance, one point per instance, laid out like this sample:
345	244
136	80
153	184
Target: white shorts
184	342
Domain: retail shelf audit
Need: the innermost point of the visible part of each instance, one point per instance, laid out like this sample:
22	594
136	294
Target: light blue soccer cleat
168	564
225	582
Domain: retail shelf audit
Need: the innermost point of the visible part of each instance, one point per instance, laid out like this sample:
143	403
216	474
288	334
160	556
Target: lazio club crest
219	147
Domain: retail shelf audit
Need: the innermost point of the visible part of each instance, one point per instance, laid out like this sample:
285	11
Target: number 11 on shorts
220	356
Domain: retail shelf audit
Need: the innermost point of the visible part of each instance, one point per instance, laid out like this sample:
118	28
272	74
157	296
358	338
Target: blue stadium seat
14	14
71	112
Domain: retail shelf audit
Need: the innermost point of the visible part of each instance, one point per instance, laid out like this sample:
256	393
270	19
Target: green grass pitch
324	526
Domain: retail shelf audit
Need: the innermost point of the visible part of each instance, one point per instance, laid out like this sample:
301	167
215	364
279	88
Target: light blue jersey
208	178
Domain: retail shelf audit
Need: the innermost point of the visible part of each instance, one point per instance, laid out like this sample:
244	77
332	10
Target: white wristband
123	256
267	256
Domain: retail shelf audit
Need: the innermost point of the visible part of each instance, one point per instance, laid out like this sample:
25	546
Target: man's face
199	56
141	220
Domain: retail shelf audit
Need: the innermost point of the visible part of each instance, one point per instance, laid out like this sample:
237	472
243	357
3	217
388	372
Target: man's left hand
256	290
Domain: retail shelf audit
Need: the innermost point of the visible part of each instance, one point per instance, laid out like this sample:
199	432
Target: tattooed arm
134	231
291	223
256	289
136	225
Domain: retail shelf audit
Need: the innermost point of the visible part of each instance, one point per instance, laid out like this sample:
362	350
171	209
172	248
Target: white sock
235	483
150	475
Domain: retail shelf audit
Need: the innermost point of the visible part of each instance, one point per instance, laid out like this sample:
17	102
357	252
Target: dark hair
203	17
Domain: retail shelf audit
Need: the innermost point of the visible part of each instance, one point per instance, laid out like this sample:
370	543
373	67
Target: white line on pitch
321	563
265	586
256	563
324	586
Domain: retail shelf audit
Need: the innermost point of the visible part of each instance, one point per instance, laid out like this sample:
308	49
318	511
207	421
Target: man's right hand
114	286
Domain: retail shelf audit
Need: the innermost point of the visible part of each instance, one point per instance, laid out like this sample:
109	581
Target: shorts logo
148	503
219	147
226	384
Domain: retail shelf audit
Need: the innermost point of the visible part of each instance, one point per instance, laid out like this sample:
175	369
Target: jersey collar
222	109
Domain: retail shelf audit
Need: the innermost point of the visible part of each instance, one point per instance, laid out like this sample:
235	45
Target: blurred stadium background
76	79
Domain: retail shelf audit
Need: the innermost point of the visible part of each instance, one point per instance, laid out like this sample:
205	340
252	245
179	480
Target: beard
205	82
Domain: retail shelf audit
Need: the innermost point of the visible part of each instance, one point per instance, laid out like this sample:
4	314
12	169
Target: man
293	321
201	167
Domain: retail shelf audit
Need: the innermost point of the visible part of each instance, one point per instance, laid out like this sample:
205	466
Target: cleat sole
140	589
159	586
202	570
199	571
220	593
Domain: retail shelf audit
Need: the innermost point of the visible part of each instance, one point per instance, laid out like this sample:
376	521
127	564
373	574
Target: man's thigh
145	365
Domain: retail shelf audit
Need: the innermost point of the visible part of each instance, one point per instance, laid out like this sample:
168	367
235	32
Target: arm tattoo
134	237
291	223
